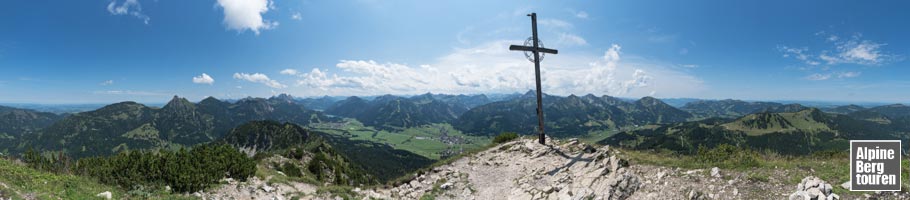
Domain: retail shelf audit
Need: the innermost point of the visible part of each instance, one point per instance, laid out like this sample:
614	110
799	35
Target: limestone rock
813	187
105	195
715	172
525	169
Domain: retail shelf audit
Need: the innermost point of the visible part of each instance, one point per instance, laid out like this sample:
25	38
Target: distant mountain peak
178	102
897	105
284	97
651	101
353	98
210	99
385	98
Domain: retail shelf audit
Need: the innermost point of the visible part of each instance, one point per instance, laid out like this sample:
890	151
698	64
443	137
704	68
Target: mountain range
130	125
801	132
567	116
390	112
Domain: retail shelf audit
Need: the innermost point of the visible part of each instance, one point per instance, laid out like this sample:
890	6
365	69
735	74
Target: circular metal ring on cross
530	43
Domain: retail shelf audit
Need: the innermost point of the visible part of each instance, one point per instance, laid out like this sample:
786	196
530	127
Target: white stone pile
813	188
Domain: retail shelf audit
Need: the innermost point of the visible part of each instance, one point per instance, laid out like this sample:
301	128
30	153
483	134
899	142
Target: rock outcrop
524	169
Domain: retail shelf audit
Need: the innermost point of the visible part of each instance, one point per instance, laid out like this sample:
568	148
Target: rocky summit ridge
524	169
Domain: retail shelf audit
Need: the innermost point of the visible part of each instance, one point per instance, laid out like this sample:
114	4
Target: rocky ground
524	170
254	188
568	169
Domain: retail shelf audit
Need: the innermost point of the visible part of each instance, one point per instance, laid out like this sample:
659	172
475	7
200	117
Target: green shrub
184	171
290	169
505	137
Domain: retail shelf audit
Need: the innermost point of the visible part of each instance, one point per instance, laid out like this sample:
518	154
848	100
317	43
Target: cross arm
527	48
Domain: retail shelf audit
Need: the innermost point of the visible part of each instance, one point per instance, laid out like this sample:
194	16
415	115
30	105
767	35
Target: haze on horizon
106	51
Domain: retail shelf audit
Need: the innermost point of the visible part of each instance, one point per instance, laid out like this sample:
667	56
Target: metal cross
536	50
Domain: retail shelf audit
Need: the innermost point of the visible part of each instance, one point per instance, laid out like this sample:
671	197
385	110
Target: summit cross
535	47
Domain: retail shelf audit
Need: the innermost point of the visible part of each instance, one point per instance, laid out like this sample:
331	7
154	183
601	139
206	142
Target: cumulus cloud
259	78
203	79
241	15
128	7
106	83
289	72
492	68
296	16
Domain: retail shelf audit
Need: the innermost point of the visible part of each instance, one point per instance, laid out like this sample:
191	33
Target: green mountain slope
397	113
730	108
566	116
799	132
308	152
810	120
263	136
16	123
847	109
129	125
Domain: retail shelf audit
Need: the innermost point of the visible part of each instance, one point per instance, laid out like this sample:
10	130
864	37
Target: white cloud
128	7
612	54
492	68
106	83
859	52
289	72
798	53
826	76
581	14
554	23
845	51
259	78
203	79
241	15
568	39
848	74
296	16
818	77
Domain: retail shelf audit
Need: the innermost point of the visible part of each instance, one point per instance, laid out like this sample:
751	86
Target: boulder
715	172
105	195
447	185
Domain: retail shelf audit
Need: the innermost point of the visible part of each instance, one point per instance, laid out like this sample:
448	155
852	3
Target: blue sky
103	51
